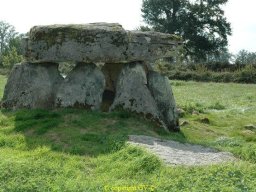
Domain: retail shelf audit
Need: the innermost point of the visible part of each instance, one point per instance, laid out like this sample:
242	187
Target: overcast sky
24	14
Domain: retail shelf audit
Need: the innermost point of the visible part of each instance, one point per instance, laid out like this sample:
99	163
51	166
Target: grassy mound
75	150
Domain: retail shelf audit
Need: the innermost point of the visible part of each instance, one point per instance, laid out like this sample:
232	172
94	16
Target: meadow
77	150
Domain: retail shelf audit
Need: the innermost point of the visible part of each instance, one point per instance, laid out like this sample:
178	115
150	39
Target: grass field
75	150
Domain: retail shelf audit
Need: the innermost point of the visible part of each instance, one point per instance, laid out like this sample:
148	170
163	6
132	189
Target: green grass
76	150
3	80
229	108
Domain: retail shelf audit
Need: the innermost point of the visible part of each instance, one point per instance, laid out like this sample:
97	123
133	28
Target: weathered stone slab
82	88
31	86
96	42
161	90
132	93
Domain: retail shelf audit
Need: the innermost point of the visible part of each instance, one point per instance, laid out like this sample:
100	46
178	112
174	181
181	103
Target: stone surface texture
160	88
96	42
82	88
31	86
132	93
175	153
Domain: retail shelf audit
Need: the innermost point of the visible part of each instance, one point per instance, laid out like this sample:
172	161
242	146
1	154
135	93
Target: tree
10	45
245	57
7	33
201	24
11	57
143	28
223	57
17	43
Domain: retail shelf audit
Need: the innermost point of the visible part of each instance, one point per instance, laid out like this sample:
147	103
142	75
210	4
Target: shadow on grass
80	132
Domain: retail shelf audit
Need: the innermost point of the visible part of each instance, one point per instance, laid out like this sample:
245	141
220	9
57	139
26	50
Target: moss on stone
56	34
119	39
175	38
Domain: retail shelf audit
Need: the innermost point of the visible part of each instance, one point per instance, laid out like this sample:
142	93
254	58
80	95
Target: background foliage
201	24
10	46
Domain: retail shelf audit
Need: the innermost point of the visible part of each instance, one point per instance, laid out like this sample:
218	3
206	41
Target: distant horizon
26	14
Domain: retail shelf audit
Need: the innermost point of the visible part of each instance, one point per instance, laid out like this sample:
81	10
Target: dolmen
114	71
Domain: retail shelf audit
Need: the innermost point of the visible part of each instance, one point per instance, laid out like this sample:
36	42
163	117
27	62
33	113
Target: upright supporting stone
82	88
132	93
31	86
162	93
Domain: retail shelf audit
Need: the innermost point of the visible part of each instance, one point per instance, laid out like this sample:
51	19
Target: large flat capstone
96	42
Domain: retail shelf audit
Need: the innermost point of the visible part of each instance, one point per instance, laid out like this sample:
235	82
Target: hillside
75	150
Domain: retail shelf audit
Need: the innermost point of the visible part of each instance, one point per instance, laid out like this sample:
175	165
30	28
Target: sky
242	16
27	13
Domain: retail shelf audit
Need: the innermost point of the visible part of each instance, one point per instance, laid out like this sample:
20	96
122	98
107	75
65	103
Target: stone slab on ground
176	153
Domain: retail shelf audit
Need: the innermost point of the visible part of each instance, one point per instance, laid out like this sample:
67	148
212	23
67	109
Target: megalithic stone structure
126	81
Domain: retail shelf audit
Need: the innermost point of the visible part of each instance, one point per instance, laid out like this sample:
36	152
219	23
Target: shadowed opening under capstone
107	100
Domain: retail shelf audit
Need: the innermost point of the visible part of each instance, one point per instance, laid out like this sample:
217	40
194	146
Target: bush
223	77
4	71
11	57
245	74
